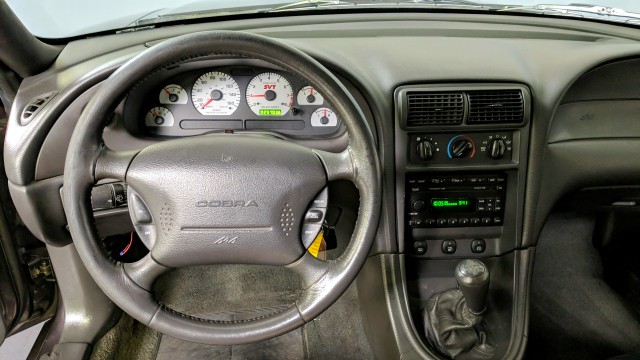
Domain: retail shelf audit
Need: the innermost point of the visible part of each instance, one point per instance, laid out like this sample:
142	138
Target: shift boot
453	330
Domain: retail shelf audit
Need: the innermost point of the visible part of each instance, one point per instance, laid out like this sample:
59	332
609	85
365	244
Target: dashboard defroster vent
496	106
435	108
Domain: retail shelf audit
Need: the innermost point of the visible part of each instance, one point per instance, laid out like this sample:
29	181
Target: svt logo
270	87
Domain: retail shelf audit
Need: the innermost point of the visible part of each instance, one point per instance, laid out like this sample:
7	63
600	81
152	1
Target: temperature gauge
324	117
159	116
173	94
309	96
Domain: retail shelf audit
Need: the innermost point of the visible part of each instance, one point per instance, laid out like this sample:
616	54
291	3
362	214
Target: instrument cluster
196	98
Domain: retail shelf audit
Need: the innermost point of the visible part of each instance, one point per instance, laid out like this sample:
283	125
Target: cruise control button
314	216
309	233
420	247
147	234
322	199
478	246
449	246
139	210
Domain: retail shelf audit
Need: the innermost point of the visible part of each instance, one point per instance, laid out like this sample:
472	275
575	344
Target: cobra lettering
227	203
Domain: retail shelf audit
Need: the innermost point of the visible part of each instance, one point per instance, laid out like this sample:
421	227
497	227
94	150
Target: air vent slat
495	106
435	108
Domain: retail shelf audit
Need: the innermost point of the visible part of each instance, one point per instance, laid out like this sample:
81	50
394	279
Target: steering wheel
258	180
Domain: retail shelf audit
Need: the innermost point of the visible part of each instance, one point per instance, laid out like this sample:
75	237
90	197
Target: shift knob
473	279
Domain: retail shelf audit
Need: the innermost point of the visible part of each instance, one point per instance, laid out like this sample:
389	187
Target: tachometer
269	94
215	93
159	116
173	94
324	117
309	96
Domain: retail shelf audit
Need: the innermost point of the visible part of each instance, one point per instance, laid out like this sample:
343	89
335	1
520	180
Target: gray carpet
574	313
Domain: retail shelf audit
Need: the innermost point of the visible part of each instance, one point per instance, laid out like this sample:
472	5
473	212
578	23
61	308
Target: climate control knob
425	150
497	149
461	148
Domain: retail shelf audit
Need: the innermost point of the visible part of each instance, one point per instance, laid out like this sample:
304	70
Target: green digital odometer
270	112
450	203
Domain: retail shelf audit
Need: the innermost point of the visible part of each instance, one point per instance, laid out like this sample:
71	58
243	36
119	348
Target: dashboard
203	96
578	85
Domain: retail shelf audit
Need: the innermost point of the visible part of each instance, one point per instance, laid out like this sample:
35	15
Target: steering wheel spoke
145	271
310	269
337	165
112	164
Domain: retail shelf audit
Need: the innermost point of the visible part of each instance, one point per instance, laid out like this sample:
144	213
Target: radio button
449	246
492	179
452	221
429	222
486	220
474	180
499	187
478	246
481	205
463	221
475	221
457	180
420	247
497	220
441	222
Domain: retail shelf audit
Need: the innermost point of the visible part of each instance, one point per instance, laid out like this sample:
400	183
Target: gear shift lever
473	279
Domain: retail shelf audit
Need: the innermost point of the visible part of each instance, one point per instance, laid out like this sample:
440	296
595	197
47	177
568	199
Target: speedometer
215	93
269	94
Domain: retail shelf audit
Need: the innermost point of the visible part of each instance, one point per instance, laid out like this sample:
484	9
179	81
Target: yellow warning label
315	245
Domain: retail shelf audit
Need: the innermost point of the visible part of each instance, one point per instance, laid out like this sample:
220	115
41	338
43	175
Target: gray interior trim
88	312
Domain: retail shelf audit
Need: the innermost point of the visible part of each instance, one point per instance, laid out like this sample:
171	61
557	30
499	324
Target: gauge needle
325	112
167	91
155	114
311	91
258	95
207	103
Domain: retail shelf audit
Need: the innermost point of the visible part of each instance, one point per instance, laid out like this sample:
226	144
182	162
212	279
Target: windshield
69	18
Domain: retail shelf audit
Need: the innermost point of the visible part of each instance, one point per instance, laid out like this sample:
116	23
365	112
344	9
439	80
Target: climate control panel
456	148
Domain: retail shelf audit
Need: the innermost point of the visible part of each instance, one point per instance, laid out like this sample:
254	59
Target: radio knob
419	205
425	150
461	148
497	149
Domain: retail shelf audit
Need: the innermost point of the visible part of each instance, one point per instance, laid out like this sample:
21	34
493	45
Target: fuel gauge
173	94
309	96
158	116
324	117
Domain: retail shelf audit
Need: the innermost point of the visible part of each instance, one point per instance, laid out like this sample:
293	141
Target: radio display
451	203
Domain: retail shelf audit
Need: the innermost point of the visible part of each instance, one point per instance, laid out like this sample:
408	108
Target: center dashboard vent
435	108
469	104
495	106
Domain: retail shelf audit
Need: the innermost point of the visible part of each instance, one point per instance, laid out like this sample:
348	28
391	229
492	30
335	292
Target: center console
461	155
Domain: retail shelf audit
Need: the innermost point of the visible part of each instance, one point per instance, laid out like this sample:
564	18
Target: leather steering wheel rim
128	285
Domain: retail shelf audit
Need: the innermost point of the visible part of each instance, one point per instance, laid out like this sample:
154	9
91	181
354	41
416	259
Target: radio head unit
455	200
